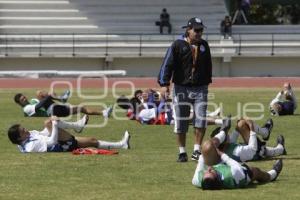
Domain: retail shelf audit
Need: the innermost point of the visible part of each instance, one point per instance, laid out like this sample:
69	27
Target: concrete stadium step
36	6
108	15
144	3
150	9
48	29
41	14
126	16
41	22
242	29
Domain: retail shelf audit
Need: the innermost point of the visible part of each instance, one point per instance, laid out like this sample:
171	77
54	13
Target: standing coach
188	63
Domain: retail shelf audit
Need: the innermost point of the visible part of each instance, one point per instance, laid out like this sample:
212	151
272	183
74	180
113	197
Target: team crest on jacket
202	48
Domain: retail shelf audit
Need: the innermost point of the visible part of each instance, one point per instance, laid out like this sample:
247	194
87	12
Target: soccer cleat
269	126
277	167
280	140
65	96
226	124
82	122
195	155
182	157
107	112
126	140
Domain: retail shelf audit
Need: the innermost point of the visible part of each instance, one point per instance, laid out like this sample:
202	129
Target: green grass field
148	171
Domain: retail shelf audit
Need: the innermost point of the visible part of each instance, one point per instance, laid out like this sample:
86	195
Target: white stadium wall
149	67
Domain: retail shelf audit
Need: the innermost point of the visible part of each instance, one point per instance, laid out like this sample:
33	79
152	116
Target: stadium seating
103	16
115	34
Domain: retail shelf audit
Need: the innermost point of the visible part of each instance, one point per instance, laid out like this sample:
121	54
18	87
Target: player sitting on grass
253	148
46	106
285	102
228	173
54	137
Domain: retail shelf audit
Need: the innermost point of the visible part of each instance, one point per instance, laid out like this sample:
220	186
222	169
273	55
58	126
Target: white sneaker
81	123
107	112
125	140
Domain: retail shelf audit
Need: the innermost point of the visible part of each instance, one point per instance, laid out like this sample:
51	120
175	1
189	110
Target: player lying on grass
253	148
54	137
46	106
41	94
285	102
228	173
153	113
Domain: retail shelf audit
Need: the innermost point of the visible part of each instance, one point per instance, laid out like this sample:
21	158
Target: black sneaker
226	124
182	157
195	155
268	125
280	140
277	167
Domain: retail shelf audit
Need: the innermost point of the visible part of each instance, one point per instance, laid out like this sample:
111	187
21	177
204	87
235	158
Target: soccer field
149	169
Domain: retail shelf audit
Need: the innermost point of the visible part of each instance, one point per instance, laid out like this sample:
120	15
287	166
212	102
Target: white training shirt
30	108
147	114
36	142
280	98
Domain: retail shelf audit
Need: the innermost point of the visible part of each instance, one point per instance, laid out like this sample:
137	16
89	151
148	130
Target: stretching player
156	113
47	106
285	102
54	138
228	173
253	148
41	94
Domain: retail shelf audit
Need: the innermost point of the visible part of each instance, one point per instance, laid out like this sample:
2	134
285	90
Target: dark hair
135	103
17	98
164	10
14	134
211	184
136	92
123	102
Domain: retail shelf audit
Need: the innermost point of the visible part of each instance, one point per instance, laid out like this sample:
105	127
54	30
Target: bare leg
244	130
181	139
259	175
63	135
199	134
85	110
84	142
41	94
209	153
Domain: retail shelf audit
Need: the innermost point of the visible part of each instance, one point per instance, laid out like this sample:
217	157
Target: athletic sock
261	131
221	136
274	151
110	145
219	121
197	147
70	125
253	141
182	150
272	174
234	136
